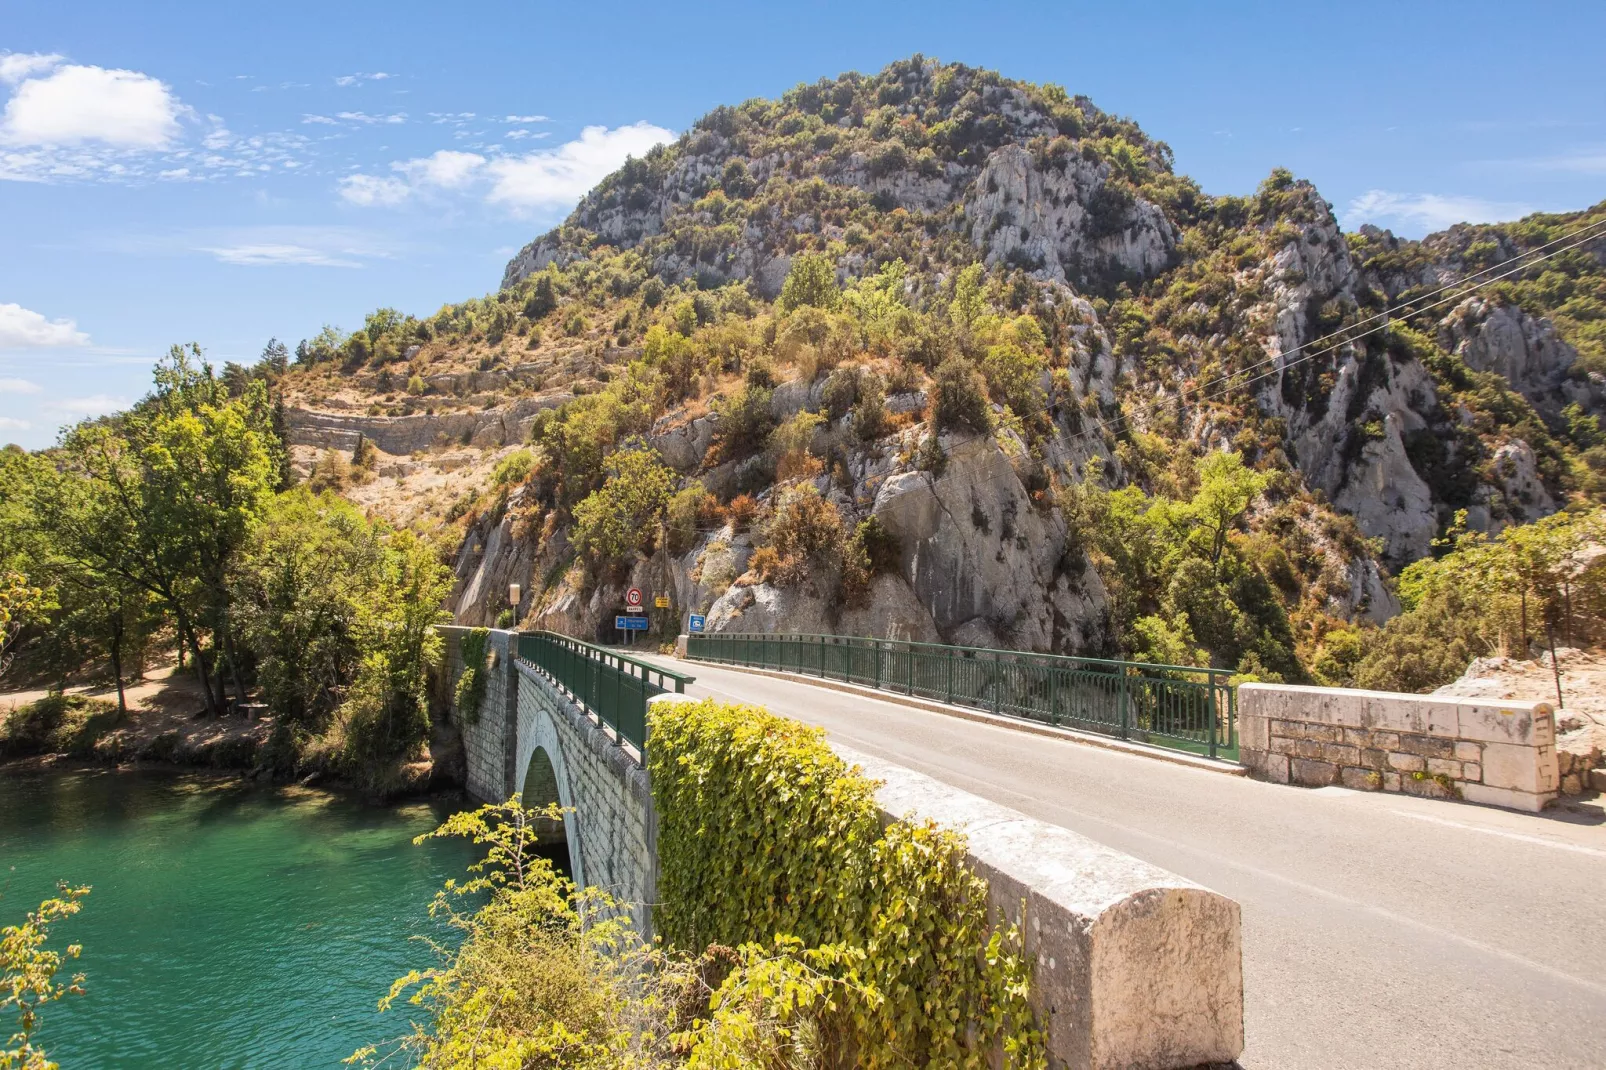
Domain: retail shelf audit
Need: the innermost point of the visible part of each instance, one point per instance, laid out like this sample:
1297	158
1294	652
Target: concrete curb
1018	724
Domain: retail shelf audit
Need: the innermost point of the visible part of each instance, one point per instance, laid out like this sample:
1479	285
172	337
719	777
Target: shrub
771	842
57	724
959	398
416	385
470	691
513	469
622	516
810	281
743	509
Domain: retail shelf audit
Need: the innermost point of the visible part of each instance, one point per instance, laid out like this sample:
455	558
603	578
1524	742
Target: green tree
163	497
623	516
810	281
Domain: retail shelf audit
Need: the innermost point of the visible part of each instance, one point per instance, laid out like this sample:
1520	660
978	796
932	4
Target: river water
230	925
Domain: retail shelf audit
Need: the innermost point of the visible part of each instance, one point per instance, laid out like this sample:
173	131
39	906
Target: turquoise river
230	925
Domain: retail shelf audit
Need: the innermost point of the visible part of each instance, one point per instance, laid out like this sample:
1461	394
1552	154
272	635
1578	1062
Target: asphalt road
1378	930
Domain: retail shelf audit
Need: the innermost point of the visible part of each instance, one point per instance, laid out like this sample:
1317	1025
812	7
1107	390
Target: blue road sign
696	623
630	624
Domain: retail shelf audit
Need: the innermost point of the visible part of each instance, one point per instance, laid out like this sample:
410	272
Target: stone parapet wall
1134	967
1501	753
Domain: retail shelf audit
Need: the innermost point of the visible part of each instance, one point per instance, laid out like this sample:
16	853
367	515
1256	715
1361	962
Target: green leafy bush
766	836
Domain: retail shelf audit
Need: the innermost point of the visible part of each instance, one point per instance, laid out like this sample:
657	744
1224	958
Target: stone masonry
530	737
1501	753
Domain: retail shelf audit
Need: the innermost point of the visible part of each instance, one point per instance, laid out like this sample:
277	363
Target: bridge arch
543	777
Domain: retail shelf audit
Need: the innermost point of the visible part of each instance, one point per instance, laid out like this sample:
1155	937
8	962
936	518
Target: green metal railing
609	684
1177	706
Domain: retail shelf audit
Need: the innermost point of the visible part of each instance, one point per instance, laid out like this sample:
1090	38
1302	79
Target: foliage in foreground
765	835
28	971
799	935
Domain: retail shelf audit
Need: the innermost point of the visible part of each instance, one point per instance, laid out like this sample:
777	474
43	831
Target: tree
623	515
28	971
1227	488
959	398
163	497
967	303
811	281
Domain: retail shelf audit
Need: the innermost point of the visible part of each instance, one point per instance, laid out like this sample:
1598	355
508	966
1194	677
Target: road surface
1378	930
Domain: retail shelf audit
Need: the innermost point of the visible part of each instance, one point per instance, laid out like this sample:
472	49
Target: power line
1348	336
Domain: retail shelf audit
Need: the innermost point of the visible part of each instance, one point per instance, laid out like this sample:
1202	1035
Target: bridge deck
1379	930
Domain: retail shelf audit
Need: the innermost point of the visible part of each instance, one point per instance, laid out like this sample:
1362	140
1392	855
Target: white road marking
1540	840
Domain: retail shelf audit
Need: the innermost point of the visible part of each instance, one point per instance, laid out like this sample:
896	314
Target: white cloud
562	174
355	79
369	120
7	423
268	254
85	407
270	246
1428	211
566	172
446	168
15	66
75	104
372	191
22	328
18	386
516	119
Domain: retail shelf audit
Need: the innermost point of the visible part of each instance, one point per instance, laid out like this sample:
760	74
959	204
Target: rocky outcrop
976	548
401	435
1504	339
1064	221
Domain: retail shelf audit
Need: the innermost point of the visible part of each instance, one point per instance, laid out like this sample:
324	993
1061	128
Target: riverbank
166	726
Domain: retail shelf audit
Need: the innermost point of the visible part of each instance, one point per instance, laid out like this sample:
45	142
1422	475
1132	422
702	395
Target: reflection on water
230	925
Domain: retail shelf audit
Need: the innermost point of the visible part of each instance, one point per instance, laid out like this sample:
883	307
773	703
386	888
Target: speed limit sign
633	598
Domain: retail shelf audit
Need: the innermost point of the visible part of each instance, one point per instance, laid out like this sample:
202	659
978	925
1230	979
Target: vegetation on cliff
844	280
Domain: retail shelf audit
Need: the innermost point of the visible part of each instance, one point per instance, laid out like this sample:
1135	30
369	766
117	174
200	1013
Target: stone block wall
1501	753
612	834
489	743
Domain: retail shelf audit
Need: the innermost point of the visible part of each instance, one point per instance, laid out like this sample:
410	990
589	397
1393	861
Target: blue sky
223	173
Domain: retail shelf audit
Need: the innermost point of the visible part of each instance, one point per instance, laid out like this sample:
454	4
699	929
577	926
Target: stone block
1374	757
1265	764
1137	967
1468	752
1444	767
1507	797
1572	784
1361	779
1324	733
1254	733
1407	763
1386	740
1285	745
1427	746
1314	774
1424	786
1519	768
1340	754
1391	782
1528	723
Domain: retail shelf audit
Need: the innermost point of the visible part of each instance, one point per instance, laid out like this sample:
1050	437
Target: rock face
401	435
1064	220
975	549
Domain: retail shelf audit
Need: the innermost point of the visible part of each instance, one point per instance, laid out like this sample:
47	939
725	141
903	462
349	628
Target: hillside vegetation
938	354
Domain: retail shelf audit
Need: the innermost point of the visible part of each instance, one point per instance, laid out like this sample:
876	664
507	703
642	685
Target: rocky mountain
952	317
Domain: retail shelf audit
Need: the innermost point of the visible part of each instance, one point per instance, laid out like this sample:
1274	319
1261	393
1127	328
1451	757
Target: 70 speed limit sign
633	598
